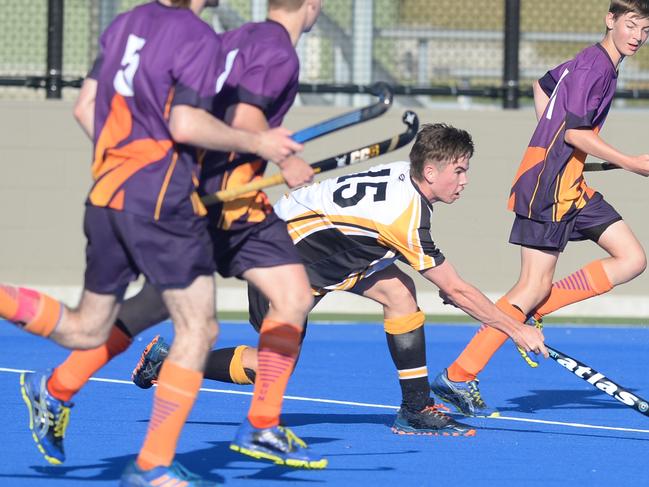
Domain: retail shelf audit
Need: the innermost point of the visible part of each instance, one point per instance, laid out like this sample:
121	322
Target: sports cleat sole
142	360
310	465
414	432
28	402
495	414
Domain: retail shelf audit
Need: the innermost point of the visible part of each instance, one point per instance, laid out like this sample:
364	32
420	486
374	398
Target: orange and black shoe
431	421
145	373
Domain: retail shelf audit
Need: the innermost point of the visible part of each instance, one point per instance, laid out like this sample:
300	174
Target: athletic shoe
175	475
429	421
277	444
465	396
48	417
145	373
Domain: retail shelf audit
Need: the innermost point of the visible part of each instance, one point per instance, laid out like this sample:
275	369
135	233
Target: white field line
368	405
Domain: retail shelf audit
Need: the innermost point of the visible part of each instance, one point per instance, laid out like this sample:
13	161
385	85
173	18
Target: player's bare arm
194	126
295	170
540	99
84	107
474	303
591	143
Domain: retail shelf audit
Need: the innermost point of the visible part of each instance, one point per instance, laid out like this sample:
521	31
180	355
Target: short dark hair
290	5
440	144
621	7
180	3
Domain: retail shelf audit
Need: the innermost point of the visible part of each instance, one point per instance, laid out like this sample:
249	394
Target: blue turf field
556	429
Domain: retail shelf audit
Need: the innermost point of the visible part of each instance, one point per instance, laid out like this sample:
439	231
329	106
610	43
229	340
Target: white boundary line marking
367	405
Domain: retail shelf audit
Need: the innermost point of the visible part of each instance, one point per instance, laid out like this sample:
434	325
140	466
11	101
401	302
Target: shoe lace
61	423
474	394
292	438
182	473
44	414
437	411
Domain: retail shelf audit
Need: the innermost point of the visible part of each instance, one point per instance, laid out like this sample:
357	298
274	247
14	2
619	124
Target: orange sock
69	377
482	346
583	284
279	344
173	400
37	313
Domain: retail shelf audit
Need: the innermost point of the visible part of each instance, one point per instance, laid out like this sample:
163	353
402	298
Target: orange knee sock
173	400
69	377
37	313
583	284
482	346
278	348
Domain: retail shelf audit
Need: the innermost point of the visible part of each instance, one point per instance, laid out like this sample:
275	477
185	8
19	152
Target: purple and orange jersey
550	185
151	58
261	68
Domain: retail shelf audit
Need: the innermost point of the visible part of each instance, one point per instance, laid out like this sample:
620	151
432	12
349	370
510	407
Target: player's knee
198	331
296	302
639	261
305	301
400	295
93	337
209	332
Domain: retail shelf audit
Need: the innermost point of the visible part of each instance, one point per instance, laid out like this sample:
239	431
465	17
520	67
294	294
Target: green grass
378	318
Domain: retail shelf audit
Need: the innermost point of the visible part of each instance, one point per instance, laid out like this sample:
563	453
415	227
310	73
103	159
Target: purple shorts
121	246
265	244
589	224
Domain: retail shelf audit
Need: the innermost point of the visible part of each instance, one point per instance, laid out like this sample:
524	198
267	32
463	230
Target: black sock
408	351
218	366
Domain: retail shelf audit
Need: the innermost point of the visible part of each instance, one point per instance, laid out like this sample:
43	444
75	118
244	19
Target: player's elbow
82	111
569	137
575	137
181	124
456	292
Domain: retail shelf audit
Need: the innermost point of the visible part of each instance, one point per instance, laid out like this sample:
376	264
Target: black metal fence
490	49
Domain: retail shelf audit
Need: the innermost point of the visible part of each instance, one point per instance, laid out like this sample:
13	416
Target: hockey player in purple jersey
553	203
256	82
145	105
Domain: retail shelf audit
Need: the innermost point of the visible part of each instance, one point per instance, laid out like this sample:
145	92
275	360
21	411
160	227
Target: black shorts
265	244
589	224
120	245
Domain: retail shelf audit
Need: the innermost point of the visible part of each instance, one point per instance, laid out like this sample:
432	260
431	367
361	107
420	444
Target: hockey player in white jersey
351	230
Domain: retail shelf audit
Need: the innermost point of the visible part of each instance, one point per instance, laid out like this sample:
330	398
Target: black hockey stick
599	166
345	159
600	381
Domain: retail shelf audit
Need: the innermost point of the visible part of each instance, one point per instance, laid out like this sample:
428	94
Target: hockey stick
380	89
345	159
600	381
599	166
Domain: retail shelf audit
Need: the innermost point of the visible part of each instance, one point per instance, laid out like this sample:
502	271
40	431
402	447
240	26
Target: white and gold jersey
349	227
